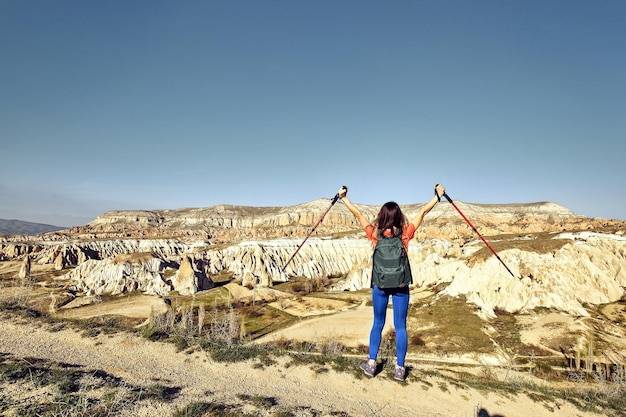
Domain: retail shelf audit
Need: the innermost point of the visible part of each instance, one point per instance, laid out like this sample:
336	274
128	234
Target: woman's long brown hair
390	216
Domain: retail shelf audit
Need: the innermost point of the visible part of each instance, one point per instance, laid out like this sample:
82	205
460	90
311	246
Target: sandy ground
139	361
136	307
542	328
351	326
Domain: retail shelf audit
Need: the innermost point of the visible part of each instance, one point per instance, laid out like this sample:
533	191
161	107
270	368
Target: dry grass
540	243
136	257
447	326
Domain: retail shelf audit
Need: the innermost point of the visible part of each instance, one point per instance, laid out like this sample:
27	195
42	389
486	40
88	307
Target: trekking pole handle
342	190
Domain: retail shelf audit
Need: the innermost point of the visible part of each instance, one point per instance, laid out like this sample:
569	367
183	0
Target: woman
390	222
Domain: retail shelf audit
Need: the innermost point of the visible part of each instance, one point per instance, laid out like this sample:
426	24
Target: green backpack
390	263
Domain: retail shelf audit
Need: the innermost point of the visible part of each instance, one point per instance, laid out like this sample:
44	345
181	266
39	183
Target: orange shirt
407	234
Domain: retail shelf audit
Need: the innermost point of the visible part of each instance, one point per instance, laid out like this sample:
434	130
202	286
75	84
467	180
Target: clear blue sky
118	104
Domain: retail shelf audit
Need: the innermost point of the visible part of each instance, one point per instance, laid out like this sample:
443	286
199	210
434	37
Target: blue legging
400	300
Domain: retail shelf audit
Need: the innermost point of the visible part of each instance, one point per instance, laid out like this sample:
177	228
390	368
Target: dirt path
139	361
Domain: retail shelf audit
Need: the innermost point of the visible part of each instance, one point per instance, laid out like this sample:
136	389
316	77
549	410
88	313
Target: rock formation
188	280
25	269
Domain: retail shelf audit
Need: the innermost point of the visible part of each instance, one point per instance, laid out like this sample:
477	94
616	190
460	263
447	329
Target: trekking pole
479	235
332	203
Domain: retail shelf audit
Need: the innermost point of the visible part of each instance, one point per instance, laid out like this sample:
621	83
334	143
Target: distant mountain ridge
20	227
229	223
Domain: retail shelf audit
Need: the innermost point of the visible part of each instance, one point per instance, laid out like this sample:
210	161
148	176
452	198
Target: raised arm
360	217
439	192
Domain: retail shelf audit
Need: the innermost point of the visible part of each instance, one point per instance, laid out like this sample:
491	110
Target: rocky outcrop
189	280
24	273
119	276
264	262
589	270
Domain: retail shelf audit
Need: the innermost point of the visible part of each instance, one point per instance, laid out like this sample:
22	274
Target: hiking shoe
368	368
399	373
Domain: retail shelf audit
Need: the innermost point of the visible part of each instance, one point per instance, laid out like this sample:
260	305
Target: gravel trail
141	362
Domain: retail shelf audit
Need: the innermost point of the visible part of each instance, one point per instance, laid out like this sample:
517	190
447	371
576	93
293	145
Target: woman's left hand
440	190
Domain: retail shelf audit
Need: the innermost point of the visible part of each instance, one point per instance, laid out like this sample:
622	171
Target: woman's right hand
343	191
